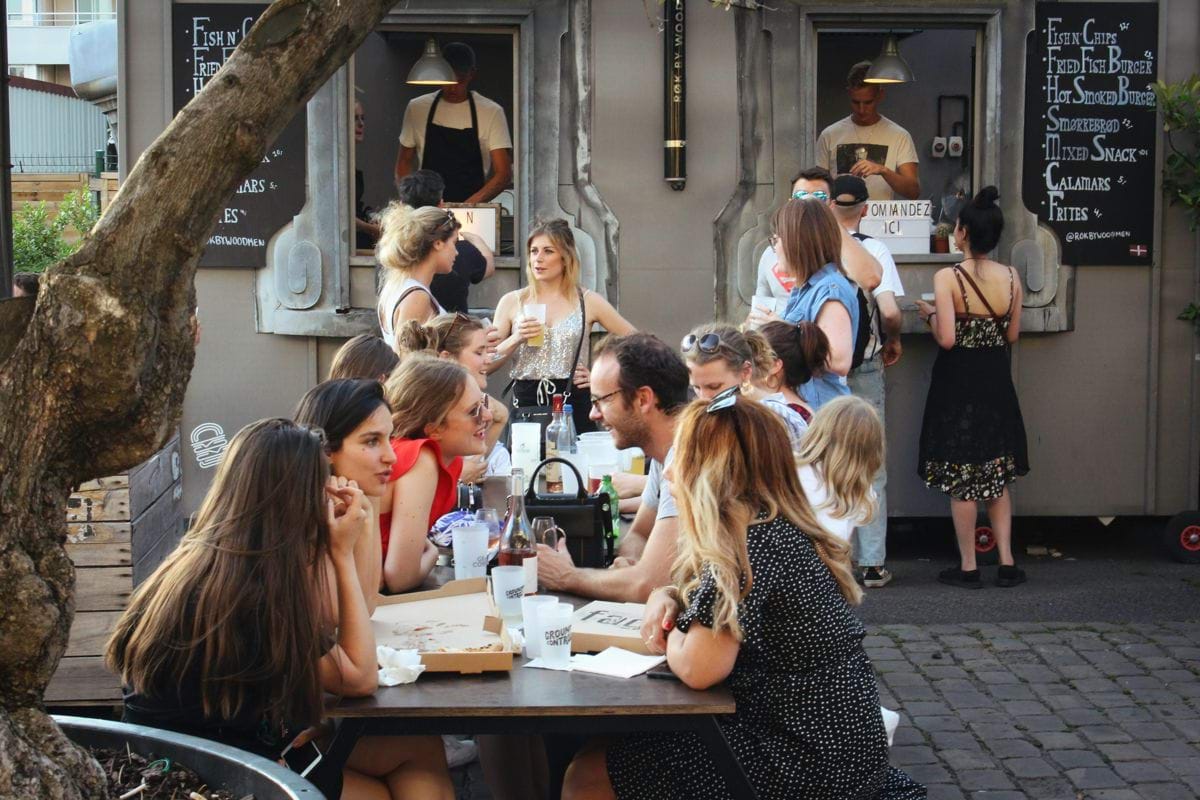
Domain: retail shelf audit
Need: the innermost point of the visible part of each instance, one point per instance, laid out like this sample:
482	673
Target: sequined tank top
556	358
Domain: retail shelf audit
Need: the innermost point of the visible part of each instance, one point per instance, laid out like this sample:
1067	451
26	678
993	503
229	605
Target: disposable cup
531	605
470	544
508	587
555	624
596	473
538	312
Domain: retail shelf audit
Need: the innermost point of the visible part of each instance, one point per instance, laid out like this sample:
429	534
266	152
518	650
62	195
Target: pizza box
602	624
447	627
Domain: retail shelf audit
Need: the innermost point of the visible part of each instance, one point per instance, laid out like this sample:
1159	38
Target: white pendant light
431	69
890	67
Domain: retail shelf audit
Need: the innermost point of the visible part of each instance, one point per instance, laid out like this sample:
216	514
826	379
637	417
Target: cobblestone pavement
1044	711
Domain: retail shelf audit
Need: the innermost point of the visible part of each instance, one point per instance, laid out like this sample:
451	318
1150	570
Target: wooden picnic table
539	701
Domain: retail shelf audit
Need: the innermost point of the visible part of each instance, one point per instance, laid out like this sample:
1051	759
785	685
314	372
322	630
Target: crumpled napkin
397	666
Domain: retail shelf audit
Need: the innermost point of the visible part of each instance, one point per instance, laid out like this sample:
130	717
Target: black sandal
955	576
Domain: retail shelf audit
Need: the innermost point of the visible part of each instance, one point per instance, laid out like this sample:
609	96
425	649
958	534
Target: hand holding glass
536	311
546	532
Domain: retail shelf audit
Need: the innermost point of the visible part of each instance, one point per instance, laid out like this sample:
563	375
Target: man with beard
639	385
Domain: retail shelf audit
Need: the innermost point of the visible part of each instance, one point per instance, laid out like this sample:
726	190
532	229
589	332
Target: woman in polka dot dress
766	608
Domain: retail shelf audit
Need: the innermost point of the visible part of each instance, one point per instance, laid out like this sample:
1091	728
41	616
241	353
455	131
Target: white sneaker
459	752
876	577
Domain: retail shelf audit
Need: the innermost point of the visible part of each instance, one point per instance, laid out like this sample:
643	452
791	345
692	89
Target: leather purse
586	519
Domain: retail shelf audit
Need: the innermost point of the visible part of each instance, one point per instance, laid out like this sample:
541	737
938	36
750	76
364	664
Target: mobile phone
302	759
662	672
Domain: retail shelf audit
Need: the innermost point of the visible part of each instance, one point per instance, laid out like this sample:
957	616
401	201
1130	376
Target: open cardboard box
602	624
448	627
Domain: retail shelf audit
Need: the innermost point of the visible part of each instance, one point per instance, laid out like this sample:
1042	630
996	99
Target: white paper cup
531	606
927	297
508	587
470	544
555	631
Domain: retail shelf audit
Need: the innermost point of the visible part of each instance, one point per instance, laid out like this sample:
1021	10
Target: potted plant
939	242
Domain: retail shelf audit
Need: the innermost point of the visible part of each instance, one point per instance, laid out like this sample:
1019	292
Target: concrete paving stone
1142	681
1183	767
954	685
907	693
960	700
1188	729
1143	772
1024	627
1058	740
939	724
1032	639
1079	672
1170	639
1095	778
1030	767
1083	716
1036	673
1015	692
1111	699
906	735
1123	714
1104	733
883	653
1011	748
1165	791
913	754
1063	626
908	633
1168	713
886	700
1075	759
1041	723
1173	674
921	646
1064	699
952	641
952	740
1092	685
913	678
1112	794
1058	654
925	708
1057	788
1024	708
1148	731
945	629
974	780
1124	752
945	671
944	791
1103	627
1019	656
1007	645
1154	696
1142	651
1193	782
959	760
966	655
988	663
1187	652
1118	667
1172	748
928	773
994	731
892	665
877	640
997	677
1160	662
1083	641
1123	637
1190	690
933	658
989	794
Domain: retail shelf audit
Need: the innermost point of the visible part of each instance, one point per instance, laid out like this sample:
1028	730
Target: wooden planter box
120	529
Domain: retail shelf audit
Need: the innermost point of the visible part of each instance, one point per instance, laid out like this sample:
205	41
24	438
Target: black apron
454	154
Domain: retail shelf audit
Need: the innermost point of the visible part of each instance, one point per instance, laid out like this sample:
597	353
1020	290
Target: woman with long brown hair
236	636
543	370
761	601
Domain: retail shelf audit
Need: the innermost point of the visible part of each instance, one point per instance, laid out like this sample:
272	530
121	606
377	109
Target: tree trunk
95	381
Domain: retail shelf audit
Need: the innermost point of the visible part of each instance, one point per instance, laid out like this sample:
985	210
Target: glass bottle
566	446
553	472
517	546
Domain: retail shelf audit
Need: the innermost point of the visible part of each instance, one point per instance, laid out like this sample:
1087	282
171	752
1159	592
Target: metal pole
6	254
675	99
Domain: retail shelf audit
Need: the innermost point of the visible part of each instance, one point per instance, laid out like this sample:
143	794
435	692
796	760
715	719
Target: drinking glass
470	544
596	473
508	587
491	518
538	312
555	624
546	532
531	605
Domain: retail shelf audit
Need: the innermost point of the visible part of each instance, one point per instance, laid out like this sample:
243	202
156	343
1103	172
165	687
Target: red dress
446	495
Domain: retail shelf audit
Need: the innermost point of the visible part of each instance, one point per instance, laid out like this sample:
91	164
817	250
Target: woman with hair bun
801	352
543	370
414	245
973	436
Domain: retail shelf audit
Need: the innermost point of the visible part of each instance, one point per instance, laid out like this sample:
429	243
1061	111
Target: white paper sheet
615	662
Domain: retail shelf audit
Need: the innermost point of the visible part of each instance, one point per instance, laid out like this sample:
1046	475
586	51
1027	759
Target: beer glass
538	312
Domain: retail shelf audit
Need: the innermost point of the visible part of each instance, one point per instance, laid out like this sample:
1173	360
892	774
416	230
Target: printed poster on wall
1091	129
203	36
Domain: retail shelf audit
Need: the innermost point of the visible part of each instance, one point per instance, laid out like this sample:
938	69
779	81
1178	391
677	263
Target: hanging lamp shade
431	69
890	67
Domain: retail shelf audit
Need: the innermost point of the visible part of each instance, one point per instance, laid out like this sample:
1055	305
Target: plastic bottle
606	485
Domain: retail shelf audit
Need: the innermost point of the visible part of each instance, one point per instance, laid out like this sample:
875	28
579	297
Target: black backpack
865	317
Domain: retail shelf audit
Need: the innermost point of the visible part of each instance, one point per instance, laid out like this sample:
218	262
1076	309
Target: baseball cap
849	190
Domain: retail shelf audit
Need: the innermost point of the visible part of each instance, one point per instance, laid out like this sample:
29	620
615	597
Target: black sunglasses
709	343
459	317
724	399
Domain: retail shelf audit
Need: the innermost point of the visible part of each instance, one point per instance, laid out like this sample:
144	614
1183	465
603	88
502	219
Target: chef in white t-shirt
870	145
459	134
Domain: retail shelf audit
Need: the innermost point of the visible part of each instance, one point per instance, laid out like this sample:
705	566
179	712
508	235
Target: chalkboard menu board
1091	130
203	35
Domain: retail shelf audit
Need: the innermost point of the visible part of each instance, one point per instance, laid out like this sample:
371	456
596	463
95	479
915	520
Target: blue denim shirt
804	304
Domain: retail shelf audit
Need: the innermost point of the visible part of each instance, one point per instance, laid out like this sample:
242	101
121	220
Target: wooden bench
120	529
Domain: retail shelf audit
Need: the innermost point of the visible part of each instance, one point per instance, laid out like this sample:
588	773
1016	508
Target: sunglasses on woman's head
709	343
724	399
459	317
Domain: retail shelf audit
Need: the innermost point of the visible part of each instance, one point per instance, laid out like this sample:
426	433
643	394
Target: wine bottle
553	472
517	546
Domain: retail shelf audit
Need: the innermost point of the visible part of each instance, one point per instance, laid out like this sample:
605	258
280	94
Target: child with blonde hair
838	459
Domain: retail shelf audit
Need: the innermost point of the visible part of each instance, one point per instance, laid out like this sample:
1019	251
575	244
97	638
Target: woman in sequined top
538	372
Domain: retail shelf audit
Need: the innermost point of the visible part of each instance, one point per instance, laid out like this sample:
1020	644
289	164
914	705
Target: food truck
667	133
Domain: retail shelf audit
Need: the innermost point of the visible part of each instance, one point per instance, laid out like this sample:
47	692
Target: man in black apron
456	153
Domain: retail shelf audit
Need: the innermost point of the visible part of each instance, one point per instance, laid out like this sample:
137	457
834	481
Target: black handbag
586	519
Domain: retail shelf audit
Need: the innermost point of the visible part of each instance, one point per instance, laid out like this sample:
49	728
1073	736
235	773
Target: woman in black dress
973	437
761	601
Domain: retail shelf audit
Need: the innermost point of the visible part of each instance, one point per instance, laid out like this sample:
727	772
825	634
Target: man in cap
849	205
459	134
869	145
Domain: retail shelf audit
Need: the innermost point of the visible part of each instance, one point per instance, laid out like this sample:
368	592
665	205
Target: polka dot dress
807	722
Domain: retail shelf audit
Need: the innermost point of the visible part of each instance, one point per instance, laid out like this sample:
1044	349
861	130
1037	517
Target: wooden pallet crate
120	528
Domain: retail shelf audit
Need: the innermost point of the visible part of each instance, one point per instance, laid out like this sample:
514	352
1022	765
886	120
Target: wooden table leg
722	754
